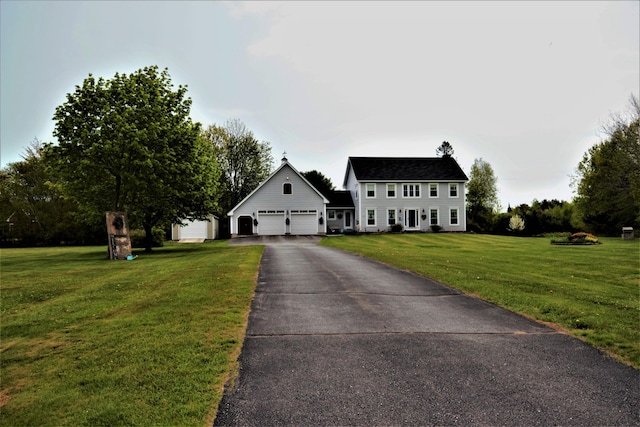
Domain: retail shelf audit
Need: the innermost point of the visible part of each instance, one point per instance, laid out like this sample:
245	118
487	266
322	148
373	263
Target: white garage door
271	224
304	223
194	230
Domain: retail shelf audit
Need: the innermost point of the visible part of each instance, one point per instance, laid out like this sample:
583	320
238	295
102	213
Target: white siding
382	204
269	199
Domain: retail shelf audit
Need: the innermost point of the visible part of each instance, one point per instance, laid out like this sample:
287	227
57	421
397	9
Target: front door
347	219
412	218
245	226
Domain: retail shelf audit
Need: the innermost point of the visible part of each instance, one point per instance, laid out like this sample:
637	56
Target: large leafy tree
607	180
482	196
321	183
245	162
128	144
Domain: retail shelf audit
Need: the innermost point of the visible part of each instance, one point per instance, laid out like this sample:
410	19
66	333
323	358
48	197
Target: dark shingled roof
406	169
339	199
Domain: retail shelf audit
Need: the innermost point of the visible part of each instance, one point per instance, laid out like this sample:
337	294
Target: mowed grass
593	292
88	341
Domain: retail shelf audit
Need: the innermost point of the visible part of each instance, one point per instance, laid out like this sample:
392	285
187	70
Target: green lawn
591	291
88	341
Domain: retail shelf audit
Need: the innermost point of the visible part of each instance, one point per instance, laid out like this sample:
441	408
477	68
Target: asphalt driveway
337	339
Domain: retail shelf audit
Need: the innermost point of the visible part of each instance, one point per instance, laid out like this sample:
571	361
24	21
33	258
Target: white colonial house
285	203
418	193
415	192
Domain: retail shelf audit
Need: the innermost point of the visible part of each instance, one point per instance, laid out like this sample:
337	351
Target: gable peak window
287	188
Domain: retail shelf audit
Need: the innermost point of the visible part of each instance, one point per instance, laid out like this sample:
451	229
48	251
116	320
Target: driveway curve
338	339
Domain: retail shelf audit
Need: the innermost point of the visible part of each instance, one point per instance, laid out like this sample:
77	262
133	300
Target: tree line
129	144
606	183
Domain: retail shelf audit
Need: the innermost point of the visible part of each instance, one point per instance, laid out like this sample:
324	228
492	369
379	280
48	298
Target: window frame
457	188
395	190
431	211
437	188
395	216
451	211
411	191
366	189
375	219
287	185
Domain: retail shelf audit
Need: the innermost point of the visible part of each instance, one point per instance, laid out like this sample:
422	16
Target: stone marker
118	232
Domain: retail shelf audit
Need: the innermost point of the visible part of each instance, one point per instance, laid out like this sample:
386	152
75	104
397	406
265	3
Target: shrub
397	228
436	228
516	224
157	238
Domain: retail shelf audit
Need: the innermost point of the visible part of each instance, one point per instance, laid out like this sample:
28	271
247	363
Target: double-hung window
391	191
391	216
371	191
433	214
411	191
433	189
453	216
453	189
371	216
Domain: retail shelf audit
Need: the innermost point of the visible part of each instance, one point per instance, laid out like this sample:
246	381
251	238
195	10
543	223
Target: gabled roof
405	169
340	199
284	163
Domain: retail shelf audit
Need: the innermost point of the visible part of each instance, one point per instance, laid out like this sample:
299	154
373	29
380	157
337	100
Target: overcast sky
525	86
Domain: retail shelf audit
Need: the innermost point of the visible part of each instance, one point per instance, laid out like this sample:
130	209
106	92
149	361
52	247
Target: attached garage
304	222
284	204
271	223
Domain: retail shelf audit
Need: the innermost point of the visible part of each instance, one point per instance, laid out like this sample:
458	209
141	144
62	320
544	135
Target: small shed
207	229
627	233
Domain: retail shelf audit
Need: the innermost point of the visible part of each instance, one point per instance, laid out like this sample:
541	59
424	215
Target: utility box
627	233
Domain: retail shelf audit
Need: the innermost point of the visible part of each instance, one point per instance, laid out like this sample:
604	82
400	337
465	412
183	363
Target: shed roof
339	199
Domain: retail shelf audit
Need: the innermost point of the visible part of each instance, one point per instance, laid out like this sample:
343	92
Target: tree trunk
148	236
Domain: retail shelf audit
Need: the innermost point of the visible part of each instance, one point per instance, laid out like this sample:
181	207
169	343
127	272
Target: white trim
457	209
457	196
437	216
263	183
395	216
375	217
406	218
366	190
414	187
290	185
437	190
395	190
